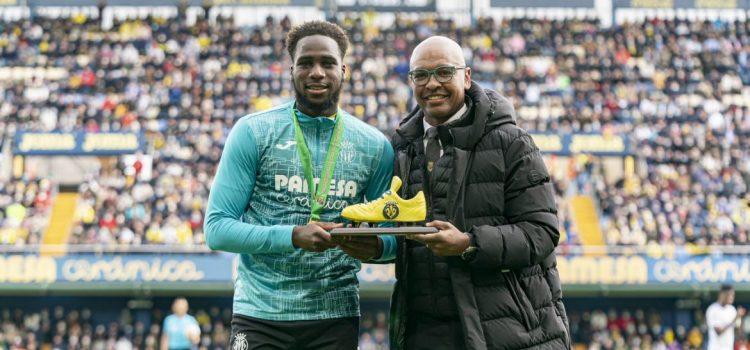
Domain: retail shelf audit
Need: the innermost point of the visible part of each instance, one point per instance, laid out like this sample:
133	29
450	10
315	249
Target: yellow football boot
389	208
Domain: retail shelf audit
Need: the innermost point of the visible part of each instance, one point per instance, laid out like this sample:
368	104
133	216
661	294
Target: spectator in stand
181	331
722	318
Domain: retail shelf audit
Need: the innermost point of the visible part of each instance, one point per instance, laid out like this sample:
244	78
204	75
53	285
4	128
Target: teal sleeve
379	183
231	191
390	246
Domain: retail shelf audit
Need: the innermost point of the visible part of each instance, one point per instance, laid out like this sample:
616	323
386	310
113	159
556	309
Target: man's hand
363	248
449	241
314	236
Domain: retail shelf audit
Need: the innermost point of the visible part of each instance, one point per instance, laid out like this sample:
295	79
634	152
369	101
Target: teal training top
259	194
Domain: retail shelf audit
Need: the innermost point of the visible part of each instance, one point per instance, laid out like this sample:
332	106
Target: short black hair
726	288
324	28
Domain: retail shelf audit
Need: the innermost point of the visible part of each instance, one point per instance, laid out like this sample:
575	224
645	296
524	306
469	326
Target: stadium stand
27	205
680	88
102	327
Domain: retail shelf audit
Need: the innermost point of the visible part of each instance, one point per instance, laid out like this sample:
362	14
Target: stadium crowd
679	89
73	328
639	329
63	329
126	329
26	205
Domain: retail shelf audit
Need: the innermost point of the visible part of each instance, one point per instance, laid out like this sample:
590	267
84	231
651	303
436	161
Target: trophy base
375	231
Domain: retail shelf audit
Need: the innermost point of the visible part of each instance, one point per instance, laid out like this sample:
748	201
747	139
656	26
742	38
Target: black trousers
249	333
424	332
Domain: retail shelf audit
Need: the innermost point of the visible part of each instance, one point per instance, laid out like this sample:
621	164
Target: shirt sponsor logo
293	190
297	184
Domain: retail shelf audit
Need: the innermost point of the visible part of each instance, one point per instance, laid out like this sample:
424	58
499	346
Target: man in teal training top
284	176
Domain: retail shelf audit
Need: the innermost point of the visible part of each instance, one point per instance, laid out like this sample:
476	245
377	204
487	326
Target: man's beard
318	108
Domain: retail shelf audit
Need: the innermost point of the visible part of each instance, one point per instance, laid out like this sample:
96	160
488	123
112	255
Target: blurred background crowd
678	88
75	327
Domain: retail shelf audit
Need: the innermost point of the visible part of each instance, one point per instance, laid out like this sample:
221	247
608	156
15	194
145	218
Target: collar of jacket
322	122
487	110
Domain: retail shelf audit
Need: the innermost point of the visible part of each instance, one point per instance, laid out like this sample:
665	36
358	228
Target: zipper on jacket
401	322
427	188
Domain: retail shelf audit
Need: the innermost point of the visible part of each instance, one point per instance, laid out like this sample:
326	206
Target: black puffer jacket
509	296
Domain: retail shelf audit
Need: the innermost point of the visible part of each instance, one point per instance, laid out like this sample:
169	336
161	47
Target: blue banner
93	269
646	270
597	144
193	270
77	143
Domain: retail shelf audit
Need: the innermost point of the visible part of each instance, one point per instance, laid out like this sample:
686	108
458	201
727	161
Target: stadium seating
679	88
68	327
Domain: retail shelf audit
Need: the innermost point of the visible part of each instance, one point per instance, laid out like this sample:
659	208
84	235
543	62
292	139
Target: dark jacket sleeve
531	233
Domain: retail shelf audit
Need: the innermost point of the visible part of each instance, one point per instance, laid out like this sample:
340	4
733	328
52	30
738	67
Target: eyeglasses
442	74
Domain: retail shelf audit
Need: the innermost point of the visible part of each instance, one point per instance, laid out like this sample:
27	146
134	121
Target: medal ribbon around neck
318	194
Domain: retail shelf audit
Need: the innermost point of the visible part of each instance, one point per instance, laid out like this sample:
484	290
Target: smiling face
317	75
440	101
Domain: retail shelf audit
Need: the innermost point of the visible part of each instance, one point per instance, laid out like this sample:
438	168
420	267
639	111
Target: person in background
721	318
180	330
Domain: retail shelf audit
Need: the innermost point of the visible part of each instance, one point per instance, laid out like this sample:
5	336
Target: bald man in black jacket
488	278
